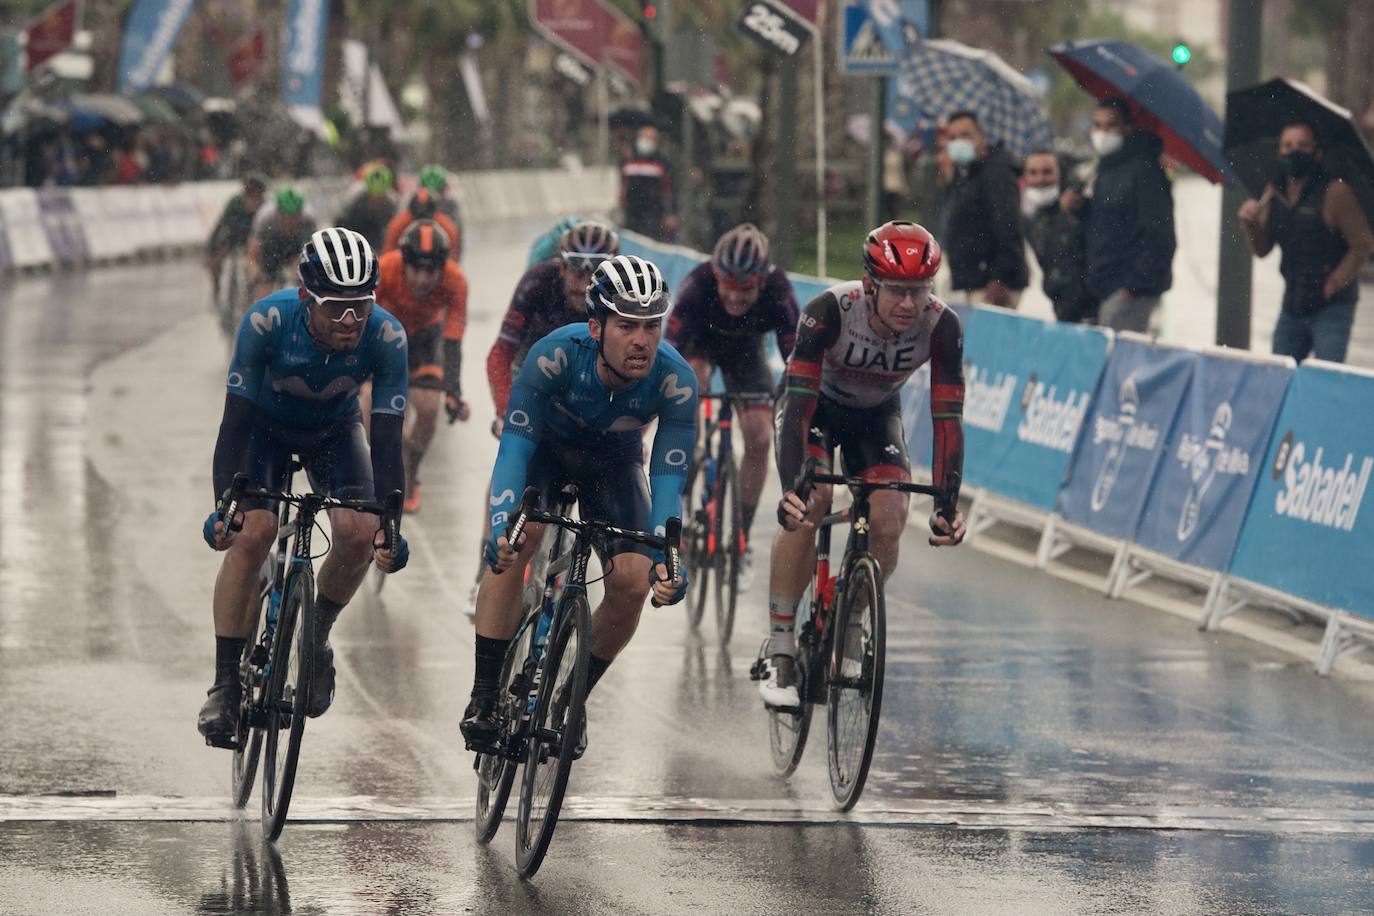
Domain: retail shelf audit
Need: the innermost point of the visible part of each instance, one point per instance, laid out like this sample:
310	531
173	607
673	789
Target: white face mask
1035	198
645	147
1106	142
962	152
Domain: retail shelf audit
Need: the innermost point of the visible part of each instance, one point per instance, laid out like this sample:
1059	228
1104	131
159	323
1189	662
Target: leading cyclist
857	344
292	391
576	415
724	310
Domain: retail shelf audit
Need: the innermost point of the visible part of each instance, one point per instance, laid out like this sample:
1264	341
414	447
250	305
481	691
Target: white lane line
681	809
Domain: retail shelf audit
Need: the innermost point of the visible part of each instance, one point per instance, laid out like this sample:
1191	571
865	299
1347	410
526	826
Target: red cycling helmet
900	251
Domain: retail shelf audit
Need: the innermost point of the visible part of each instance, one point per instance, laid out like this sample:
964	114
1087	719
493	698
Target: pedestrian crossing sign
863	49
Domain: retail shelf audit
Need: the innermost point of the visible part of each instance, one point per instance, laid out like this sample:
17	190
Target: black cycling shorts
611	486
871	440
742	361
338	461
424	357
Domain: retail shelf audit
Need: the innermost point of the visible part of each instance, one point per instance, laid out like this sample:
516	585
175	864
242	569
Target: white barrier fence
47	227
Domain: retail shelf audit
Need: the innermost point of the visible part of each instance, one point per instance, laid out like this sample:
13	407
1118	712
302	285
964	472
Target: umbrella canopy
938	78
1255	117
1160	99
155	110
185	100
91	111
629	117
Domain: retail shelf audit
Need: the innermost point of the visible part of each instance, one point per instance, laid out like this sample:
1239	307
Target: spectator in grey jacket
1128	222
1056	237
982	216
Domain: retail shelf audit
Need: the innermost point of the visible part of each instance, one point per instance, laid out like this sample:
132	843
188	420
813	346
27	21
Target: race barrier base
1344	633
988	509
1139	565
1059	537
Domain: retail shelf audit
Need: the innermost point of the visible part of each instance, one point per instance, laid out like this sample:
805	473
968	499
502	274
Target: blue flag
302	83
150	33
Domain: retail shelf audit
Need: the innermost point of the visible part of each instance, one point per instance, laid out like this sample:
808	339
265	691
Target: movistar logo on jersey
263	324
393	333
675	392
987	397
1051	420
1317	493
552	367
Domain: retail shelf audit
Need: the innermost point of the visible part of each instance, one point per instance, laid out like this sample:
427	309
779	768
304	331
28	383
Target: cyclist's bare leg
617	616
236	586
790	570
887	513
756	422
422	426
498	597
365	406
350	551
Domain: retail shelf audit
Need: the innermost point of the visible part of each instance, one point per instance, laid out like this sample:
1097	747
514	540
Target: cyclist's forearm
508	477
947	460
388	469
800	395
499	360
234	428
453	367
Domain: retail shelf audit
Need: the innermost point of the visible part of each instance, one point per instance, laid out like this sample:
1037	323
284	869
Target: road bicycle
543	686
841	643
714	538
277	662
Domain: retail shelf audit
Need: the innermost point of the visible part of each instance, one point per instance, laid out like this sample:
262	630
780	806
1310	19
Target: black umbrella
1255	117
631	118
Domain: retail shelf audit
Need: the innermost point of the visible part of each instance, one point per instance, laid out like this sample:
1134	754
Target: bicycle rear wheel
288	695
855	695
695	535
787	731
496	772
248	740
554	729
729	550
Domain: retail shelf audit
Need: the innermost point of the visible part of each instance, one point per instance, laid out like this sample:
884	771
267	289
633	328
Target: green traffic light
1182	54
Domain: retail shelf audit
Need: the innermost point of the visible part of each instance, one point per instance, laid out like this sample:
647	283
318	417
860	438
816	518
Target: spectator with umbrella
1306	208
982	207
1056	237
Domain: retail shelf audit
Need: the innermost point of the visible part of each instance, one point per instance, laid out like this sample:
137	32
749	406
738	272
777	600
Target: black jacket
1056	237
982	237
1129	222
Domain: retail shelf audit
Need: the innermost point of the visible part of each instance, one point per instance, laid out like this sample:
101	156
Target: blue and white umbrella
937	78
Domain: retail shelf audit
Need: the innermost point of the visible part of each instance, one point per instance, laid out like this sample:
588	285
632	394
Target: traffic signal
1182	54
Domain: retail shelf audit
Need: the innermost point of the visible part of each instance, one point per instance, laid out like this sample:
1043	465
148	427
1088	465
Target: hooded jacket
1129	222
982	237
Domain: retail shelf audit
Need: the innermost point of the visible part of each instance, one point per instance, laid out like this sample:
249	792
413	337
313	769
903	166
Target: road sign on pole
774	26
863	46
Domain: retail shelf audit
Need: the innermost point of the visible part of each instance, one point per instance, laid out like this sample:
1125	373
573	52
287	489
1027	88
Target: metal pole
785	164
603	126
873	206
1234	267
819	64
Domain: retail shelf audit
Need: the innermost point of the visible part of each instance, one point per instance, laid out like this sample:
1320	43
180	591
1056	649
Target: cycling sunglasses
917	291
744	283
337	310
583	263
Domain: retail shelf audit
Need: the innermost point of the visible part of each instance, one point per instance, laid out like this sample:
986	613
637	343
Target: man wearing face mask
1128	222
1317	222
647	196
986	251
1056	237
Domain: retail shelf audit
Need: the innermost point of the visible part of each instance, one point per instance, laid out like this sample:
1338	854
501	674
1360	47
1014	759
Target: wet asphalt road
1043	750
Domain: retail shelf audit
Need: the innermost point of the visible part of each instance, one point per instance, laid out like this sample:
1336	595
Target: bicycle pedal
226	742
259	656
759	670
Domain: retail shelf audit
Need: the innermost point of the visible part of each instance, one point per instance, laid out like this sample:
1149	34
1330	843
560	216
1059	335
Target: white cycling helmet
338	263
629	286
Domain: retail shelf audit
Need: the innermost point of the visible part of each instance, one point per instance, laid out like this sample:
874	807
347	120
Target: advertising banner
150	33
1306	531
1124	438
51	33
577	26
302	83
66	235
1214	456
1027	387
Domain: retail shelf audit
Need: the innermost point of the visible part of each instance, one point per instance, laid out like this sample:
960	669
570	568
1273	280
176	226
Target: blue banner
150	33
1306	532
1028	384
1124	437
302	82
1198	501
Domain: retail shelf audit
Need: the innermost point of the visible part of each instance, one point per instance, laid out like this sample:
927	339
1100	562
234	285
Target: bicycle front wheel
554	729
496	772
855	694
695	536
287	698
729	550
248	740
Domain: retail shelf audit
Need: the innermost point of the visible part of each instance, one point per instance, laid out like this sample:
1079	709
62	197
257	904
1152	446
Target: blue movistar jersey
302	387
558	396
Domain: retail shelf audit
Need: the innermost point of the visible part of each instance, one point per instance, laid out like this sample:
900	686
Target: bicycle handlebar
944	501
744	397
389	510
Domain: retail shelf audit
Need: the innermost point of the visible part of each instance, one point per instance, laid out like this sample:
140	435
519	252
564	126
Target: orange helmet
424	244
901	251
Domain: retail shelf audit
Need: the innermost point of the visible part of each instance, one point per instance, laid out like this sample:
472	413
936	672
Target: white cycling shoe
779	690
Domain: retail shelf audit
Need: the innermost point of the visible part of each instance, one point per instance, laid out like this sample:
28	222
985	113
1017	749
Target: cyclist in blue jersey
300	357
576	414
